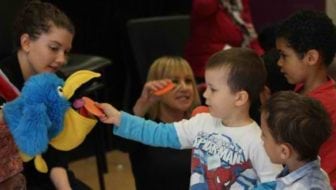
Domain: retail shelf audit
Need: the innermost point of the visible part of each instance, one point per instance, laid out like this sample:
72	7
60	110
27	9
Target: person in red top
306	42
216	25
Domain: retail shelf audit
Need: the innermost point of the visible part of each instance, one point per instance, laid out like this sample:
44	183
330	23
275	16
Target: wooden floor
119	176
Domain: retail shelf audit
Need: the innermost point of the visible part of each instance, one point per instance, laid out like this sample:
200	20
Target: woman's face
180	99
49	51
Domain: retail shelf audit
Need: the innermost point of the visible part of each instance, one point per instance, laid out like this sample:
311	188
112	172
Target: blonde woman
165	168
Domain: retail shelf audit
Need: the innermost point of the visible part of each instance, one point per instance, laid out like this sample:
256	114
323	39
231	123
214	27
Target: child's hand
265	95
112	115
148	98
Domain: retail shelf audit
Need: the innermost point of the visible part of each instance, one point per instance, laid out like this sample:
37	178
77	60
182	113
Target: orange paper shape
91	107
165	89
200	109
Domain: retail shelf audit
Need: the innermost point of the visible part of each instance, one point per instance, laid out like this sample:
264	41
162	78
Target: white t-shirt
225	156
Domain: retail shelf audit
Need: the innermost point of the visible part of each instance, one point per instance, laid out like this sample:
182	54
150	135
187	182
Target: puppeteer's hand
112	115
148	98
265	95
59	177
2	120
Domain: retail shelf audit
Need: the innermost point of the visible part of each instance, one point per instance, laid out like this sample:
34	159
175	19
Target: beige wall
331	9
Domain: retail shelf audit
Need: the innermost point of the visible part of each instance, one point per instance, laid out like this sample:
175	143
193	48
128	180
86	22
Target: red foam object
91	107
200	109
165	89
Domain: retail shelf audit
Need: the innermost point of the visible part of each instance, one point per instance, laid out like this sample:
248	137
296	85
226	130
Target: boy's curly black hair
306	30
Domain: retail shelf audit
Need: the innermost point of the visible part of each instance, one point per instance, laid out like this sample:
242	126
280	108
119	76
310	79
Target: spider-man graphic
219	178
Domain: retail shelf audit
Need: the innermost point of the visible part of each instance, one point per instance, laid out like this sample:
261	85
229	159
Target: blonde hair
167	67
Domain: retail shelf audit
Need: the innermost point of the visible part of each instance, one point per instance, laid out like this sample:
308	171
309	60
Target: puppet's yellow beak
74	81
76	126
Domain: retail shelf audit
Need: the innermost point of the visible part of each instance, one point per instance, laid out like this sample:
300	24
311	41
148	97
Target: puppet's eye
60	90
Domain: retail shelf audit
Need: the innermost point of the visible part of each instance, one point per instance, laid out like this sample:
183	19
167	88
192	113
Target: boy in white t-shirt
228	152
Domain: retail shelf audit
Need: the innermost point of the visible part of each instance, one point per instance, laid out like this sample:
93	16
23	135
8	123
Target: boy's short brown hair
299	121
247	70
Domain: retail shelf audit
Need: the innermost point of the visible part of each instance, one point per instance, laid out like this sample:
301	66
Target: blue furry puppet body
37	115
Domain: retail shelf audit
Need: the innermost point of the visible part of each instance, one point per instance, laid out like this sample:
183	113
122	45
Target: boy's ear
25	42
285	151
241	98
312	57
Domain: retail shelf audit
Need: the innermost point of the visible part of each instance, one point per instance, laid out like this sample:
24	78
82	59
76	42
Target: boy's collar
289	178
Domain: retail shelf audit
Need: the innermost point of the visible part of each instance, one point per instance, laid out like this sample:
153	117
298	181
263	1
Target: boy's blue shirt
165	137
309	176
266	186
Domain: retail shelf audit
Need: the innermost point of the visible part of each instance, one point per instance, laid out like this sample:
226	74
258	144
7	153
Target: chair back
8	10
154	37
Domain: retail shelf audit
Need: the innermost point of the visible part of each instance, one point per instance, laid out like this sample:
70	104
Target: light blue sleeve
266	186
147	131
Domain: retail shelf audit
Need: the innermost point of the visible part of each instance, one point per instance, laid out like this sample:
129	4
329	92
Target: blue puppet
42	114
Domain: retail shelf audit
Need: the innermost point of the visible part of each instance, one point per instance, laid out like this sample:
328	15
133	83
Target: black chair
8	11
151	38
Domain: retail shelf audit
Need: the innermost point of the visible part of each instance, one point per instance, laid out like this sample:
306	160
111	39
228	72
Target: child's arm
147	131
266	186
147	98
139	129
